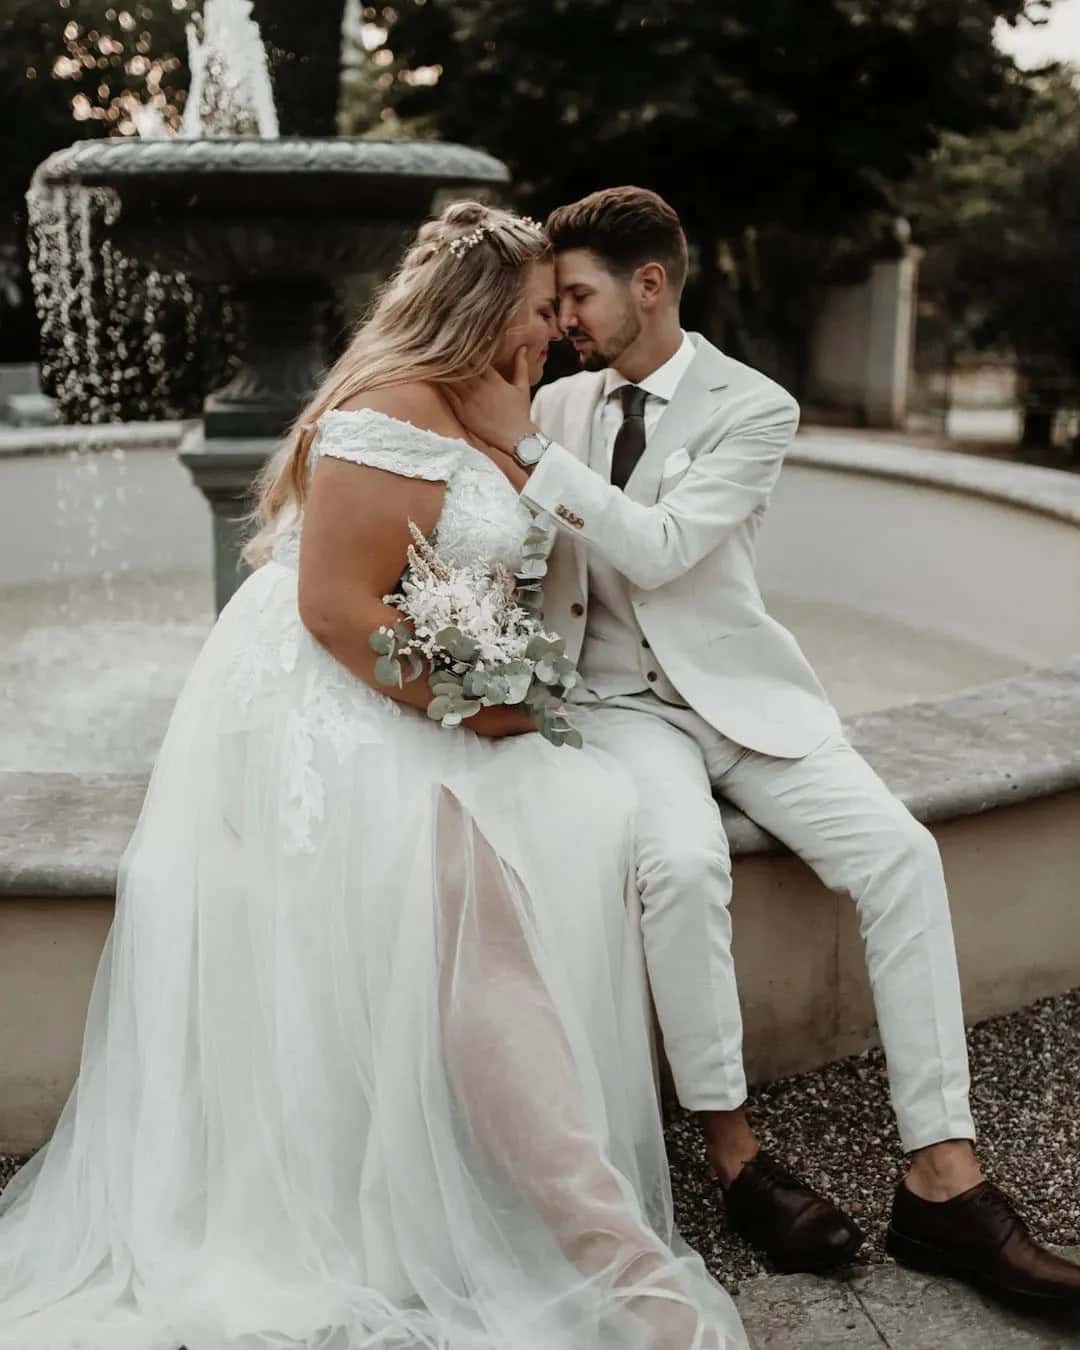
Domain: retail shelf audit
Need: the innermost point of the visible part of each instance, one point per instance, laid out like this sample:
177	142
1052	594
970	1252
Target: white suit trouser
834	812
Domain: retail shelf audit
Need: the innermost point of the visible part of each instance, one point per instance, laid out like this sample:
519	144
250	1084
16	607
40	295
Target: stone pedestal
282	350
890	338
862	345
224	470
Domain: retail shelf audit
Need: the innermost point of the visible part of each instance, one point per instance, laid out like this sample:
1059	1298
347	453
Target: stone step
886	1307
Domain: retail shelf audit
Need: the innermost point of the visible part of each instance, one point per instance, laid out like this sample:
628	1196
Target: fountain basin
255	210
281	222
957	572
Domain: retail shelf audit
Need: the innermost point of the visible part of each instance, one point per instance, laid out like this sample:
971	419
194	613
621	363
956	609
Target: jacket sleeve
537	407
652	545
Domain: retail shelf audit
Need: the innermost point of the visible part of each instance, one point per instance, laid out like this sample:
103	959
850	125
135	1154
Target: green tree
305	62
755	120
1000	216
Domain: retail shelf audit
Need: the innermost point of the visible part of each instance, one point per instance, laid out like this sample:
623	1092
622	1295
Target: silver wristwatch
529	449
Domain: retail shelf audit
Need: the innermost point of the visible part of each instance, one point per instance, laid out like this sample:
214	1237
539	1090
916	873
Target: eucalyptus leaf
438	708
460	647
388	670
495	690
416	667
538	648
539	696
382	642
515	685
538	539
443	679
475	683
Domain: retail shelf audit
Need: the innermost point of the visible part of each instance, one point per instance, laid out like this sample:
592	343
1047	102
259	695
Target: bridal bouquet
479	630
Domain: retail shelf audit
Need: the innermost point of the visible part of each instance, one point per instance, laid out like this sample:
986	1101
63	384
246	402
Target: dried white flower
481	637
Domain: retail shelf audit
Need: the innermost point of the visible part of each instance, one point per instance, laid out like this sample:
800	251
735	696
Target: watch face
529	449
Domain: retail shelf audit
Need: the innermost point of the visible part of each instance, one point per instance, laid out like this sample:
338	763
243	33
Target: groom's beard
601	357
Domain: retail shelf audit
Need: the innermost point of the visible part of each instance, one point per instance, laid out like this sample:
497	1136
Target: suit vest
615	655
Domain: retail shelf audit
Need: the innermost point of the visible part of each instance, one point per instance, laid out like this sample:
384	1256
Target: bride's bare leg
513	1071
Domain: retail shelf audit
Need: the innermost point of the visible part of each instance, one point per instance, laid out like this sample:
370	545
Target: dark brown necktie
630	442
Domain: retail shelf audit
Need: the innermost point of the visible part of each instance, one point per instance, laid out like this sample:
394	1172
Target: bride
367	1058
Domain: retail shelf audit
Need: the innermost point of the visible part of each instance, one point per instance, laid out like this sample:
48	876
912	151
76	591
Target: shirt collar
663	381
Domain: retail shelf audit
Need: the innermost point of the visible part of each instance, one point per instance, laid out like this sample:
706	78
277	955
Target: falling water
90	663
119	340
230	92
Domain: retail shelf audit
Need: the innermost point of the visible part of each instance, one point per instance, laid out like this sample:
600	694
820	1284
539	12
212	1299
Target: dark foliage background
790	135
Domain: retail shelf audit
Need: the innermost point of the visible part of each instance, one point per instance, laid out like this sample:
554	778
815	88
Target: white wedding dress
367	1058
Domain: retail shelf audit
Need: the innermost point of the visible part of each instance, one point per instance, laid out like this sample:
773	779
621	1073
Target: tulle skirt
367	1061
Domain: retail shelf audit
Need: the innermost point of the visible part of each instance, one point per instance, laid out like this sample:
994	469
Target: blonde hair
438	318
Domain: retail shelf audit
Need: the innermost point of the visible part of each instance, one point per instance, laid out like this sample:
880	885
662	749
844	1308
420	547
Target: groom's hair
625	227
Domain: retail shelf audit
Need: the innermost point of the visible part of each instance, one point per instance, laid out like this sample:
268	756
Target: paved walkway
889	1308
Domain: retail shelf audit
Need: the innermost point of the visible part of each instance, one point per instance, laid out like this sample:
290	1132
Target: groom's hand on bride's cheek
494	408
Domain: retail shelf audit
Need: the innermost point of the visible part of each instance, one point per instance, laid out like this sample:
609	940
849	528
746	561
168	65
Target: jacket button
577	610
645	643
652	676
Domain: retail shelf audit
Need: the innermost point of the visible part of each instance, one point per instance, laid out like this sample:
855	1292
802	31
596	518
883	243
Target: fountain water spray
230	92
118	337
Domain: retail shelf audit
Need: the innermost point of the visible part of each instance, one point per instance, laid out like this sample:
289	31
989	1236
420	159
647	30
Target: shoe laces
1002	1207
768	1168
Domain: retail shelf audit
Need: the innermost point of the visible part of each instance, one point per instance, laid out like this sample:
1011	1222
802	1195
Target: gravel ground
835	1128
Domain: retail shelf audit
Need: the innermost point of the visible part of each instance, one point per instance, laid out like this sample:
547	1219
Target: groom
657	462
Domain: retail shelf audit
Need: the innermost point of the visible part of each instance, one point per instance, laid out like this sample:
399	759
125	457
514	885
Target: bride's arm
353	549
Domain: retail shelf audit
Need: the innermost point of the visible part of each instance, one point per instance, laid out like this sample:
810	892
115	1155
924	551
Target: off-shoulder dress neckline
457	441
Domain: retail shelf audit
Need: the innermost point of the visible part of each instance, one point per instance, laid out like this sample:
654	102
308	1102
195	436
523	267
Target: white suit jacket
683	533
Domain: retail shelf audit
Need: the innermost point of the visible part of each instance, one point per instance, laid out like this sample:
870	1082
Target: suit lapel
693	402
578	414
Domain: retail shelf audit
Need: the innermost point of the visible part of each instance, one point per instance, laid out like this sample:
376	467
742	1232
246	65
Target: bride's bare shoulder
416	402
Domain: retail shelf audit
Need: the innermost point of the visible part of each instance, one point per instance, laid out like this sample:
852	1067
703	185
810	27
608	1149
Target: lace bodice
483	519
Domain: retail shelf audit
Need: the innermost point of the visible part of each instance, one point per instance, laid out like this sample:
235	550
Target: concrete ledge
105	436
995	772
1048	491
998	745
1005	743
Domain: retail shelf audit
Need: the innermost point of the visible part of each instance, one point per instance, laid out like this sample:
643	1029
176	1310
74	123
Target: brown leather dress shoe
978	1236
795	1227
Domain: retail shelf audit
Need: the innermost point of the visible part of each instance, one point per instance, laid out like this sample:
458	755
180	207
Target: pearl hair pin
464	242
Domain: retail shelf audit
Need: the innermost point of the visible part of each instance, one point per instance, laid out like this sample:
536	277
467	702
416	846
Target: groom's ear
650	283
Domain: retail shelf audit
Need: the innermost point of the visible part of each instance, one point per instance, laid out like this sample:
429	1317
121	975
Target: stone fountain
280	221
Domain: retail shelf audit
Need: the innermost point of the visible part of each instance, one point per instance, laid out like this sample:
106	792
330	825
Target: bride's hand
494	409
500	721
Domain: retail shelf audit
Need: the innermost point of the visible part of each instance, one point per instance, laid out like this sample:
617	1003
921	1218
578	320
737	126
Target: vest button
577	610
652	676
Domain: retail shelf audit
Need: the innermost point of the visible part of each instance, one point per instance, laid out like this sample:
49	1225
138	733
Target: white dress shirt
660	387
615	658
